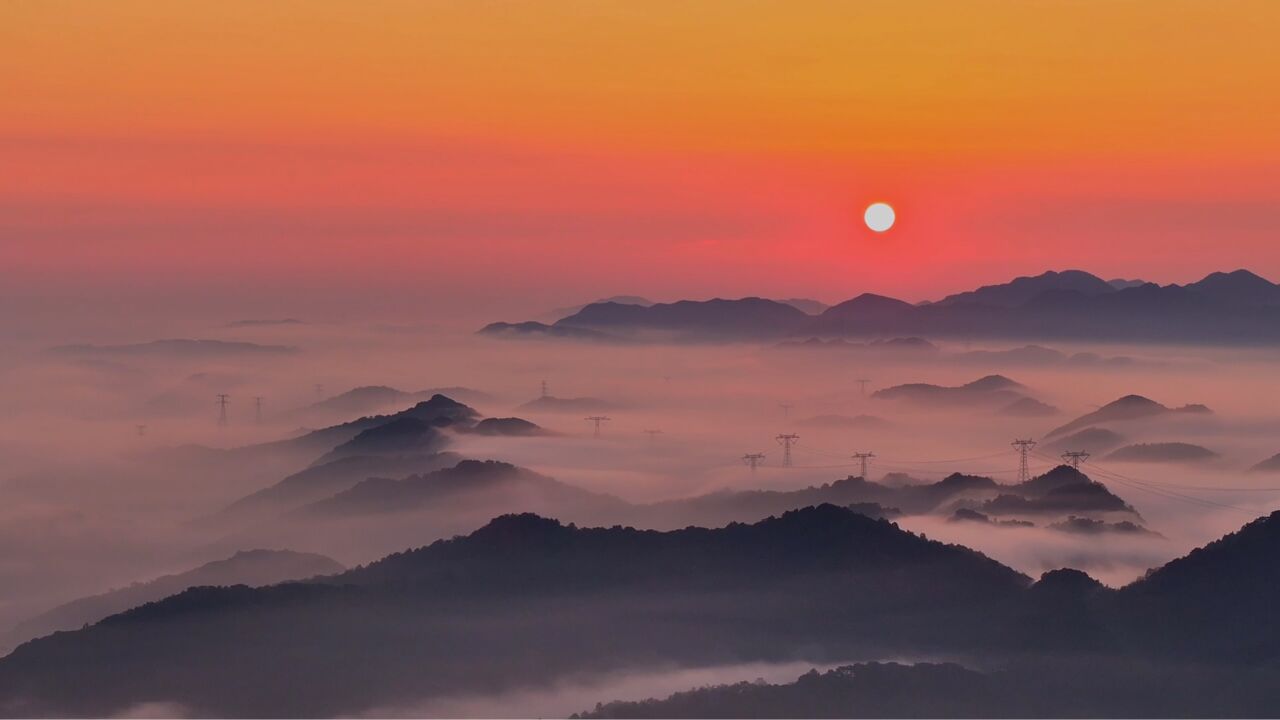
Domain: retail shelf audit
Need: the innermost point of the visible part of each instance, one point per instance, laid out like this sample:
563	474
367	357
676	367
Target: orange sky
550	151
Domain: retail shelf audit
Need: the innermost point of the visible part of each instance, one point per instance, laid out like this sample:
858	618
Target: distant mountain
1091	440
898	346
1230	308
1166	452
1271	464
1089	526
989	390
1129	407
247	567
1238	288
484	483
401	436
264	322
320	481
1122	284
805	305
537	330
1023	289
552	404
509	426
558	313
178	348
745	319
1028	408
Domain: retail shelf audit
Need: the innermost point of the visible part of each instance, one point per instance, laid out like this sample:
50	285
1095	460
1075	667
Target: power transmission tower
597	419
786	441
223	399
140	429
544	388
1074	457
319	391
786	409
1023	447
653	436
863	457
862	383
752	459
257	409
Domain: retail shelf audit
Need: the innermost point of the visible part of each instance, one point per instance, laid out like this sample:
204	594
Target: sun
879	216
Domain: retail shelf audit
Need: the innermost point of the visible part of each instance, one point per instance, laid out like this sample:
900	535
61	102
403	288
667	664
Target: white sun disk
879	216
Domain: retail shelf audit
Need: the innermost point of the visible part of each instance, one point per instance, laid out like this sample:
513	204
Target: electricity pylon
653	436
786	409
863	457
223	399
597	419
257	409
752	459
1024	448
1074	457
786	442
862	383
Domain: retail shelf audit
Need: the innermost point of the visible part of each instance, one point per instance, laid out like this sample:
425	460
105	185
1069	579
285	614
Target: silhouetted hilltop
247	567
805	305
1023	289
1166	452
320	481
500	483
536	330
1089	526
973	516
1271	464
1240	287
510	426
1091	440
178	348
1129	407
866	314
747	319
401	436
1062	491
991	390
550	403
1028	408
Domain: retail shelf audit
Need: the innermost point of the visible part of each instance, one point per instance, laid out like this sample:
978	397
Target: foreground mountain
247	567
553	601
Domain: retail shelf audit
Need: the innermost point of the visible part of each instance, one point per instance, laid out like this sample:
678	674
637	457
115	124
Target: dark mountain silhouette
1270	465
1089	526
247	567
1091	440
1166	452
1238	288
749	318
264	322
535	330
1062	491
1198	636
1023	289
436	410
1233	308
1129	407
990	390
558	313
178	348
1025	355
401	436
510	426
864	422
321	481
973	516
547	598
1122	284
550	403
1028	408
487	483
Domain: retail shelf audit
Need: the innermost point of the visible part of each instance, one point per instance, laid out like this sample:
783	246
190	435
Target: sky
414	158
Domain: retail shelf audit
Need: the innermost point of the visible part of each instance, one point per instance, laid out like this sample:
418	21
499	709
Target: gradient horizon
409	157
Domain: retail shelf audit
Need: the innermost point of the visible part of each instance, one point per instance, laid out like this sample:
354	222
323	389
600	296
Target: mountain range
1236	307
554	600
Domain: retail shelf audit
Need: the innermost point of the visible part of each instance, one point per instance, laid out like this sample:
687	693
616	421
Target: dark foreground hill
527	600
